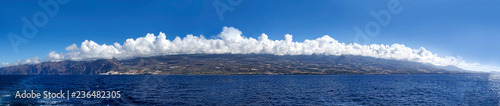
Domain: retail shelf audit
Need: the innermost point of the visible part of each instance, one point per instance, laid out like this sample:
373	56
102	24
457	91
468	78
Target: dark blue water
450	89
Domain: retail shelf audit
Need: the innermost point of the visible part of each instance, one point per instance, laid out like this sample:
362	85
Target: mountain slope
64	68
230	64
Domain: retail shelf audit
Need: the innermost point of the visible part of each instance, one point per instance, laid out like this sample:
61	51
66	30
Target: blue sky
464	28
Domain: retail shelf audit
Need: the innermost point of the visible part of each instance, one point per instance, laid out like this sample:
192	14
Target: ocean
422	89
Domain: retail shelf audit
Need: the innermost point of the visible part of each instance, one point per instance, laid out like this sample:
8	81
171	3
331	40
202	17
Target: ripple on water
455	89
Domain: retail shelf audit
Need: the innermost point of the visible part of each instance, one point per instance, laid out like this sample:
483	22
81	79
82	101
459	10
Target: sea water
425	89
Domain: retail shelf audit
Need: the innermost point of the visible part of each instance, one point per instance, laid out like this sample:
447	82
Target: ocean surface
432	89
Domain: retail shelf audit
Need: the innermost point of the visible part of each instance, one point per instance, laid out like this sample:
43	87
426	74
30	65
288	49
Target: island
232	64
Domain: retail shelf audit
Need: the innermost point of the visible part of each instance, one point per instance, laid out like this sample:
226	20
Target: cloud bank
32	60
231	40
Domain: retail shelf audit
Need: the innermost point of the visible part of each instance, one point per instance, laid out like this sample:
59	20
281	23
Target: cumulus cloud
231	40
32	60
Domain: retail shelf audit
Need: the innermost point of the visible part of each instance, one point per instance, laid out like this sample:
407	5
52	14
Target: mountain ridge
232	64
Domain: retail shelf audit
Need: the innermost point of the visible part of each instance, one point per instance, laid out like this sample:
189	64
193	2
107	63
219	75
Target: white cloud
231	40
32	60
